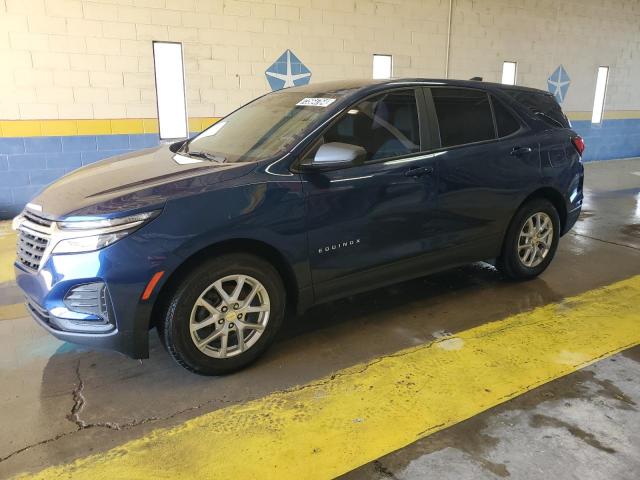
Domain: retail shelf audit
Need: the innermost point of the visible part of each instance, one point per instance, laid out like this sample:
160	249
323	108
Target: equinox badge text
338	246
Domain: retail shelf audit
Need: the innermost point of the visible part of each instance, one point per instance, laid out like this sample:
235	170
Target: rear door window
543	105
506	122
464	116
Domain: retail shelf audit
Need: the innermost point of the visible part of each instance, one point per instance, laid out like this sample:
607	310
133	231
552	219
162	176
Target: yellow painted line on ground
7	252
52	127
334	425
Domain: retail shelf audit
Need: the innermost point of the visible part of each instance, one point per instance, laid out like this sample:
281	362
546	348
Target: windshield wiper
206	156
542	114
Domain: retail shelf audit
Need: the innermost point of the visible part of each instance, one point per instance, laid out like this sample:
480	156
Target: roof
347	87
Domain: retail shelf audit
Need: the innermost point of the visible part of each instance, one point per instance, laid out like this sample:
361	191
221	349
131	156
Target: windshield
264	128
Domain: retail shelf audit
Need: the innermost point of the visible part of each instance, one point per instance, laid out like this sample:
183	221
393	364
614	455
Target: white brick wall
92	59
542	34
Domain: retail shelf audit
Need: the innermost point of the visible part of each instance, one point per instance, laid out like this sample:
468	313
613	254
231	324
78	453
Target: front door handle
418	172
517	151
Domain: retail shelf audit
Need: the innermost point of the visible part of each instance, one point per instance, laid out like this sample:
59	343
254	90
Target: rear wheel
224	314
531	240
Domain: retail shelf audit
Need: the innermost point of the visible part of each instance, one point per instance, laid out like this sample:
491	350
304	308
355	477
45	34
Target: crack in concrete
79	402
37	444
605	241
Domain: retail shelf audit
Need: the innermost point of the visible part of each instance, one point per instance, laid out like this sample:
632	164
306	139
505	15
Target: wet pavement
60	402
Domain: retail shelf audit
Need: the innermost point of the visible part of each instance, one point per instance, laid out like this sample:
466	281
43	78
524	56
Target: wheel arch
548	193
240	245
555	197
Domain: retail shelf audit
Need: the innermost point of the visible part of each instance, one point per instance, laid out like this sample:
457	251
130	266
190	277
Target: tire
511	262
196	301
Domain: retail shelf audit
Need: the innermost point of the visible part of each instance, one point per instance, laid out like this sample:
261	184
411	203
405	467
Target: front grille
35	219
33	238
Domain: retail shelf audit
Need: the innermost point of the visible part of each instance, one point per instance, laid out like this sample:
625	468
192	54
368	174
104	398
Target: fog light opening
90	299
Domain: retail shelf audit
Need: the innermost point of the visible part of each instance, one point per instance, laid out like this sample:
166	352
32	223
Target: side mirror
336	155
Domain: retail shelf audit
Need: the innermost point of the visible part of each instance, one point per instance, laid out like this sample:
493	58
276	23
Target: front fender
269	212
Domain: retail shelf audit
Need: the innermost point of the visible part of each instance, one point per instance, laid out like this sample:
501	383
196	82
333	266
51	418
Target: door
488	160
364	220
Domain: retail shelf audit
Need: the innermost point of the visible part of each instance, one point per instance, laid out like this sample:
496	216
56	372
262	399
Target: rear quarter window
506	122
543	105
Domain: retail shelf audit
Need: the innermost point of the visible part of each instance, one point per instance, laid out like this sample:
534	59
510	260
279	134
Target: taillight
578	142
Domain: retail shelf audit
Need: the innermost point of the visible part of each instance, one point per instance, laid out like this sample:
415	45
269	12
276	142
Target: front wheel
531	240
224	314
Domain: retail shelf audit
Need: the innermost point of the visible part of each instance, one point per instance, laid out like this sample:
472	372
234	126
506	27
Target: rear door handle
517	151
418	171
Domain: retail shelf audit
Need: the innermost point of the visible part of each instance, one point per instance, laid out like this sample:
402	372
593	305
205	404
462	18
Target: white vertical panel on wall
601	91
382	66
509	70
170	90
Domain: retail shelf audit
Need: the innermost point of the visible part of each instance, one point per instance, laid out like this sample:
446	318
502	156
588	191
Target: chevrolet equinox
302	196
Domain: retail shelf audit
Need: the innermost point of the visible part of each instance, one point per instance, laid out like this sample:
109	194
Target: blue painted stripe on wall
113	142
64	160
81	143
610	139
10	146
42	144
29	164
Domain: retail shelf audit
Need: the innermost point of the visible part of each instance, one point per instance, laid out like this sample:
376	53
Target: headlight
88	244
90	235
126	222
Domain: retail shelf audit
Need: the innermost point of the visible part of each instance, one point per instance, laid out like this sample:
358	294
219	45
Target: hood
136	181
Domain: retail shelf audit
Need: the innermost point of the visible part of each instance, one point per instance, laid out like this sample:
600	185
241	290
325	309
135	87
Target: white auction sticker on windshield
315	102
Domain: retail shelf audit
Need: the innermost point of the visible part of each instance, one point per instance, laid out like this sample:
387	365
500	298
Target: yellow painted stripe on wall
94	127
48	128
38	128
578	115
21	128
620	114
324	429
608	115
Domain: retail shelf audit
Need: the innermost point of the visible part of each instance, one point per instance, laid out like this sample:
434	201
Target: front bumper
124	267
113	340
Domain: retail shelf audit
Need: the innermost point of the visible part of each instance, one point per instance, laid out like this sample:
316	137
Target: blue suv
302	196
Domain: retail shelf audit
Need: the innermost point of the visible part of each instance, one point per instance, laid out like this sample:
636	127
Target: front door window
385	126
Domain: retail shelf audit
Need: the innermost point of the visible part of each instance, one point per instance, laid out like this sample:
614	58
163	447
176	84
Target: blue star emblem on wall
558	83
287	71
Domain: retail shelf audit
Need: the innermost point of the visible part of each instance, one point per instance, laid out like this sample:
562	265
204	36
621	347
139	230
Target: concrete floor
61	402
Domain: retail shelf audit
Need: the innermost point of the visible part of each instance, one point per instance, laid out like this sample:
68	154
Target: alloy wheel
535	239
229	316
